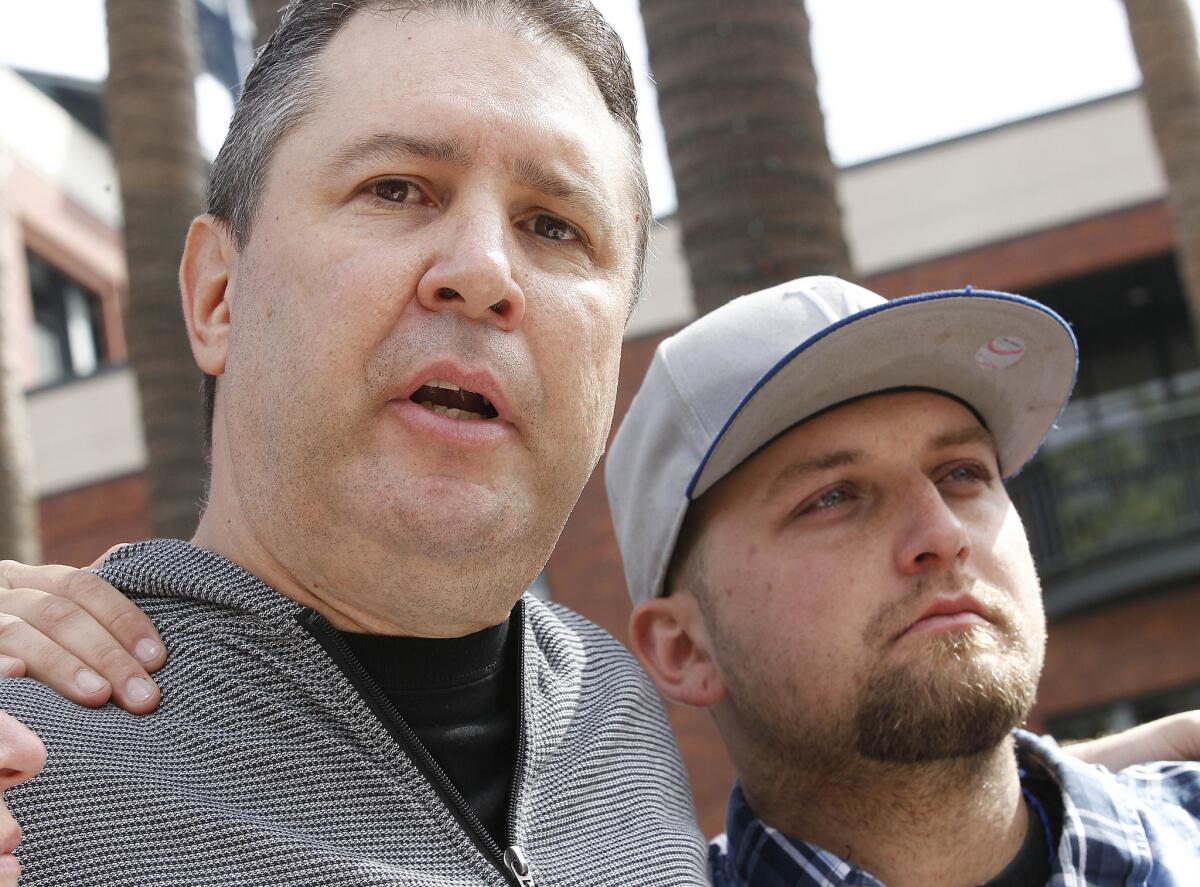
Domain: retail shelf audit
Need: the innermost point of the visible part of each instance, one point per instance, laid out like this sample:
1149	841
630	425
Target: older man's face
457	214
870	592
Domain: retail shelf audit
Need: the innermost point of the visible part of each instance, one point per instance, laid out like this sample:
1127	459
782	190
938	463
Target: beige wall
969	192
86	431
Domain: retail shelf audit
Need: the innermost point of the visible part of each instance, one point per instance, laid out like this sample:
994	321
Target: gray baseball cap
730	383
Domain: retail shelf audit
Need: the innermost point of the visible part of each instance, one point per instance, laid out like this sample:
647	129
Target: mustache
894	617
449	335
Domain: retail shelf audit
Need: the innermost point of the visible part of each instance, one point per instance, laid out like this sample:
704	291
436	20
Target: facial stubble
958	696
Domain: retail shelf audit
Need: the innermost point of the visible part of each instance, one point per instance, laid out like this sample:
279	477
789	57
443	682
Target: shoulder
1149	813
554	624
583	660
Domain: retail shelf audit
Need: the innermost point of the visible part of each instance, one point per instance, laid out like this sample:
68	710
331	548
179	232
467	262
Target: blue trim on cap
968	292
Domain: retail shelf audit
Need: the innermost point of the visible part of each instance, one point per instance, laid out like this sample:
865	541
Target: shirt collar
1099	834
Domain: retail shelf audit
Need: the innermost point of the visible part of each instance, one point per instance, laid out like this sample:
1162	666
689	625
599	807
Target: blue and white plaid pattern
1137	827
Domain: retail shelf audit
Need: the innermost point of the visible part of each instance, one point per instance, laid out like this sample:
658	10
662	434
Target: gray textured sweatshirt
271	761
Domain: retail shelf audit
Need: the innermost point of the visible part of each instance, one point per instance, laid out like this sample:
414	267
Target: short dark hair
283	88
687	570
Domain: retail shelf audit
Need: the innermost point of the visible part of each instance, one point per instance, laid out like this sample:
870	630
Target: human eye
825	501
396	191
553	228
963	474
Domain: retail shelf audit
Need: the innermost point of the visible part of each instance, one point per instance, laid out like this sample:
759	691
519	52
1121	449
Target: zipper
511	862
514	857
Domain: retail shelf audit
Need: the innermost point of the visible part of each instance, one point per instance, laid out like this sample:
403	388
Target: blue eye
830	498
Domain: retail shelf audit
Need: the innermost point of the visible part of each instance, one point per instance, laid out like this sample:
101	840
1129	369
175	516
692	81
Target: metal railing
1113	493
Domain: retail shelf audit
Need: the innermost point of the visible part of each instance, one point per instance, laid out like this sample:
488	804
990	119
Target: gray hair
284	86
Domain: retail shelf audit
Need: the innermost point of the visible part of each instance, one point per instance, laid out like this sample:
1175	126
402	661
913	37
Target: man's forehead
425	75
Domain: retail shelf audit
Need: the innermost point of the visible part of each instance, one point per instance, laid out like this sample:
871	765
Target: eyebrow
396	146
579	191
797	470
960	436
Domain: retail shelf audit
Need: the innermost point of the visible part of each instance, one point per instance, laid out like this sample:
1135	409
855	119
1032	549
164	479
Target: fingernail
9	666
89	682
145	651
138	689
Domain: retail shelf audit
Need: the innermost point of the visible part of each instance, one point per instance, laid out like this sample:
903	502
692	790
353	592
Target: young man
425	235
808	495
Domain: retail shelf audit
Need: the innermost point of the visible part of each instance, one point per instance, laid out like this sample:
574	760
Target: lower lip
945	622
465	432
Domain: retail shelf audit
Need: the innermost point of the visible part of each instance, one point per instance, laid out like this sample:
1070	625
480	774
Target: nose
471	271
933	535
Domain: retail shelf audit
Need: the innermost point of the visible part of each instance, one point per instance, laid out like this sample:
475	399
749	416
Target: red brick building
1065	207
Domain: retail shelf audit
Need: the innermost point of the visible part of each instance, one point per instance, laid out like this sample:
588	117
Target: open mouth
453	402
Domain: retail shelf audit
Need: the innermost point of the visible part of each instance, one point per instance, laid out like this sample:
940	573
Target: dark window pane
67	326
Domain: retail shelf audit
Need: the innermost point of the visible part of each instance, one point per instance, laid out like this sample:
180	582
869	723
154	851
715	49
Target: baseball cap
728	384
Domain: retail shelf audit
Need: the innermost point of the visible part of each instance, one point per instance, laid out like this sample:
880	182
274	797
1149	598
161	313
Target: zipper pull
518	866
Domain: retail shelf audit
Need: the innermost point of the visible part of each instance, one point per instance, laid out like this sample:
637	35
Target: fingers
131	628
77	637
45	661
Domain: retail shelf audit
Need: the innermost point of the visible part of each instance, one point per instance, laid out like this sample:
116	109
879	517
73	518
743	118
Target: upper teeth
442	383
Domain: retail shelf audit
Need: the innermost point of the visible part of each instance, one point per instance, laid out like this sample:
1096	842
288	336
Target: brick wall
80	525
1024	263
1127	649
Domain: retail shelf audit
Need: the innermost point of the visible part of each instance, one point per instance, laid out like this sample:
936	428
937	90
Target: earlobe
668	638
208	257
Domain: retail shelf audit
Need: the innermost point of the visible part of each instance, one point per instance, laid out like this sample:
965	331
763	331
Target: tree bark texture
266	19
757	190
20	536
1164	38
153	58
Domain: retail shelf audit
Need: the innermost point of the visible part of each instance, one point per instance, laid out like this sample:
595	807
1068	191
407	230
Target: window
67	329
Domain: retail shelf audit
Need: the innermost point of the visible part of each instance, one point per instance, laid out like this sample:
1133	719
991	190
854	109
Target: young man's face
869	589
457	209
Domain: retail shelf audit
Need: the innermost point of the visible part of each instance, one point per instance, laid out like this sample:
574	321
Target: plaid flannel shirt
1140	826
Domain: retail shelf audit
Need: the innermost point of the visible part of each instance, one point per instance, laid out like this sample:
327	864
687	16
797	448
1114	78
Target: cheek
578	348
1016	574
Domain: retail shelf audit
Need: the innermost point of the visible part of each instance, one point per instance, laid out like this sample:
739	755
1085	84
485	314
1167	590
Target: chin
962	705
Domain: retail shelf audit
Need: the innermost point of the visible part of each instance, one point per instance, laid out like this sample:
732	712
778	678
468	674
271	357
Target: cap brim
1011	359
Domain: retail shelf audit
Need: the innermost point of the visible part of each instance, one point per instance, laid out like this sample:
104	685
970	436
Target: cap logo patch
999	353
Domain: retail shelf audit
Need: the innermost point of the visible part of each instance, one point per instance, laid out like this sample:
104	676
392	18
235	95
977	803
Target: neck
357	584
938	824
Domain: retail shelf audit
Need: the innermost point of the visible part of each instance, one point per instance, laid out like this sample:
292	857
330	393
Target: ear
669	639
208	258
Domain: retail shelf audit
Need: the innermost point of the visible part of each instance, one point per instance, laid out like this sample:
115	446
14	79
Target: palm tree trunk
757	190
1164	38
19	520
152	120
266	19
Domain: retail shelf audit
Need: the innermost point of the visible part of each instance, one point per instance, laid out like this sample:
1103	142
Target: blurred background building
1068	207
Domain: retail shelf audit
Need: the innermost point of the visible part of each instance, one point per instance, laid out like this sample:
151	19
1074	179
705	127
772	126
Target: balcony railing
1115	508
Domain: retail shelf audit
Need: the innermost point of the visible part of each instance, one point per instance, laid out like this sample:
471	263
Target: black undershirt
1031	866
460	696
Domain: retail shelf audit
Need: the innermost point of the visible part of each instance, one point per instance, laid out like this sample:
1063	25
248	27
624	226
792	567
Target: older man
425	234
808	495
